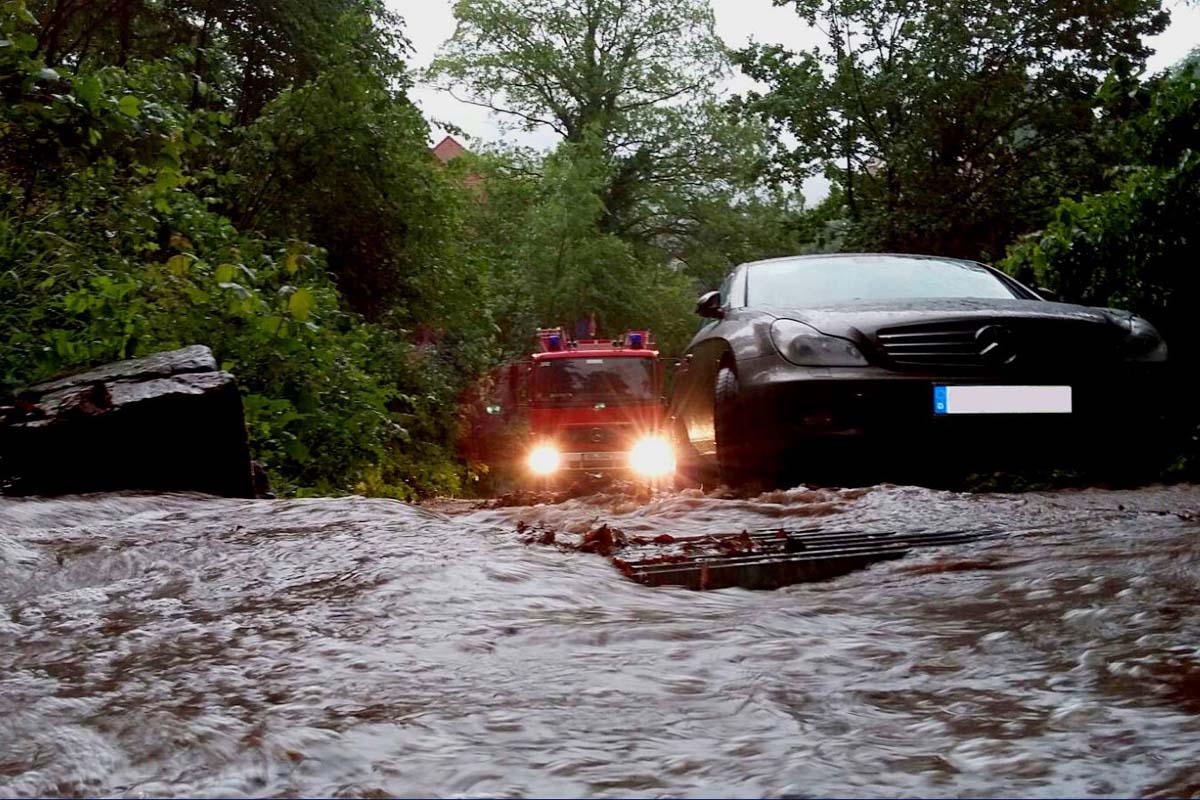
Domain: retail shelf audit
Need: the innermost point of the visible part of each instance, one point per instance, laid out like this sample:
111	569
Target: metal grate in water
775	558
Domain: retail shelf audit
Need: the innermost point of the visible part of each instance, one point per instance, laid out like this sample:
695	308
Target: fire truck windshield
578	381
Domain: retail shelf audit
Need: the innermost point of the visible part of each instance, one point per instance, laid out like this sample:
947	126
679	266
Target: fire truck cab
596	408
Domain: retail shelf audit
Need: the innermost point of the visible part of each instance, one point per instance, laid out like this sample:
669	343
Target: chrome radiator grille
999	344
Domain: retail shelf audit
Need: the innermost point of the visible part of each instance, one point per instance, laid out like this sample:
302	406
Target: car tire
729	429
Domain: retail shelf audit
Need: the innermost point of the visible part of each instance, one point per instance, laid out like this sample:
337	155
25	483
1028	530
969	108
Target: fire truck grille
583	437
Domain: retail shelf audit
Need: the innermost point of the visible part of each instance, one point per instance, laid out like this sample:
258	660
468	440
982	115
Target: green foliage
549	261
653	193
343	161
118	197
593	65
652	166
237	55
949	127
1133	245
253	177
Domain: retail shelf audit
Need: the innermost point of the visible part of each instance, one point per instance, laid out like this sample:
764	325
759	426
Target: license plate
1001	400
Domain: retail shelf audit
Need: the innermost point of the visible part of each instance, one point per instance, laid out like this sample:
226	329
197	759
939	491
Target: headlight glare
544	459
652	457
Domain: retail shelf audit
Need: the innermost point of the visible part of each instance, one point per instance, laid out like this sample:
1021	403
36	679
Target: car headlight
544	459
805	346
1143	342
652	457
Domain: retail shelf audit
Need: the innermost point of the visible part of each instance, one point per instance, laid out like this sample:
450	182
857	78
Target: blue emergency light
635	341
555	342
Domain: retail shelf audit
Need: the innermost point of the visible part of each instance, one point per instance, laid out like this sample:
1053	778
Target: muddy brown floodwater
189	646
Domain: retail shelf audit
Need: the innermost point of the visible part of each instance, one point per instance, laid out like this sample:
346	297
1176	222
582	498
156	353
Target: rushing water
176	645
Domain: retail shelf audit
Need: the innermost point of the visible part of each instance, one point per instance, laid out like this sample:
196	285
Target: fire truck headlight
544	459
652	457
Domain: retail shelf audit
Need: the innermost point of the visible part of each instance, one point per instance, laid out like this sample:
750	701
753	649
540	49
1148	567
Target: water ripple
191	646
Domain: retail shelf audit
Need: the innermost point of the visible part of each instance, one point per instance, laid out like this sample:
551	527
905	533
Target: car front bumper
784	404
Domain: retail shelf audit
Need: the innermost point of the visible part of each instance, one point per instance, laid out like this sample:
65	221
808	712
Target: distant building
449	149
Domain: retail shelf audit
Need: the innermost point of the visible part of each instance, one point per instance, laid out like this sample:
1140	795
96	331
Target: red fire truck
596	408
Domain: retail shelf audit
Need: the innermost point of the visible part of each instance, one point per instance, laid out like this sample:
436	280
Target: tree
948	126
581	65
630	82
343	160
241	51
136	214
1132	245
548	263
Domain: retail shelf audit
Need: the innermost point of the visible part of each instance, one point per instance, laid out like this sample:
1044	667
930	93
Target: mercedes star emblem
996	345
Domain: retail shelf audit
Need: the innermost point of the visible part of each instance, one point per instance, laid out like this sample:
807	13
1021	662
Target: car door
692	400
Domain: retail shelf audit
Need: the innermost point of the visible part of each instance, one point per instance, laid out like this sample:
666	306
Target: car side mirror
709	305
1047	294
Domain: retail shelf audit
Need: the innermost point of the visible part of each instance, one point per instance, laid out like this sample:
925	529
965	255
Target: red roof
448	148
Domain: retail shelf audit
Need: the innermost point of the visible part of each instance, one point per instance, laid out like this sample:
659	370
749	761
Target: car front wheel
730	430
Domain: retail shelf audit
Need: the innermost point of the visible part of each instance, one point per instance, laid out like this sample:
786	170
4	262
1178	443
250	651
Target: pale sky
428	23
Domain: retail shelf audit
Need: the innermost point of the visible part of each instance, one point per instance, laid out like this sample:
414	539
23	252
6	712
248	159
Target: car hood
869	316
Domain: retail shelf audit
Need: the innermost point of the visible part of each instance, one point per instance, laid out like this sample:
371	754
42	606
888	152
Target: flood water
176	645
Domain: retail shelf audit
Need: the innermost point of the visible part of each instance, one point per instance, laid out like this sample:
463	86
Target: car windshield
570	381
843	279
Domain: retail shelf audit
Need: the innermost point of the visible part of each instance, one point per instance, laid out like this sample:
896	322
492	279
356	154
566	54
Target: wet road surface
176	645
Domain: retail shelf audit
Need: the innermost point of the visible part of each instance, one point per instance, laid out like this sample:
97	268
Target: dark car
806	360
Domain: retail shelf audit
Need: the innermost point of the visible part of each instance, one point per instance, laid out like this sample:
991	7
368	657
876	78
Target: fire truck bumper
608	462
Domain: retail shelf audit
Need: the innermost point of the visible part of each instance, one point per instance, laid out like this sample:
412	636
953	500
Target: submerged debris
604	541
765	559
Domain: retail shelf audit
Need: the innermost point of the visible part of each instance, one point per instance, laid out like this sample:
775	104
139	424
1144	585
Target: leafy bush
115	242
1134	245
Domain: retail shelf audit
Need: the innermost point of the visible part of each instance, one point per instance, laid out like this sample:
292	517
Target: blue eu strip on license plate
950	399
939	399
